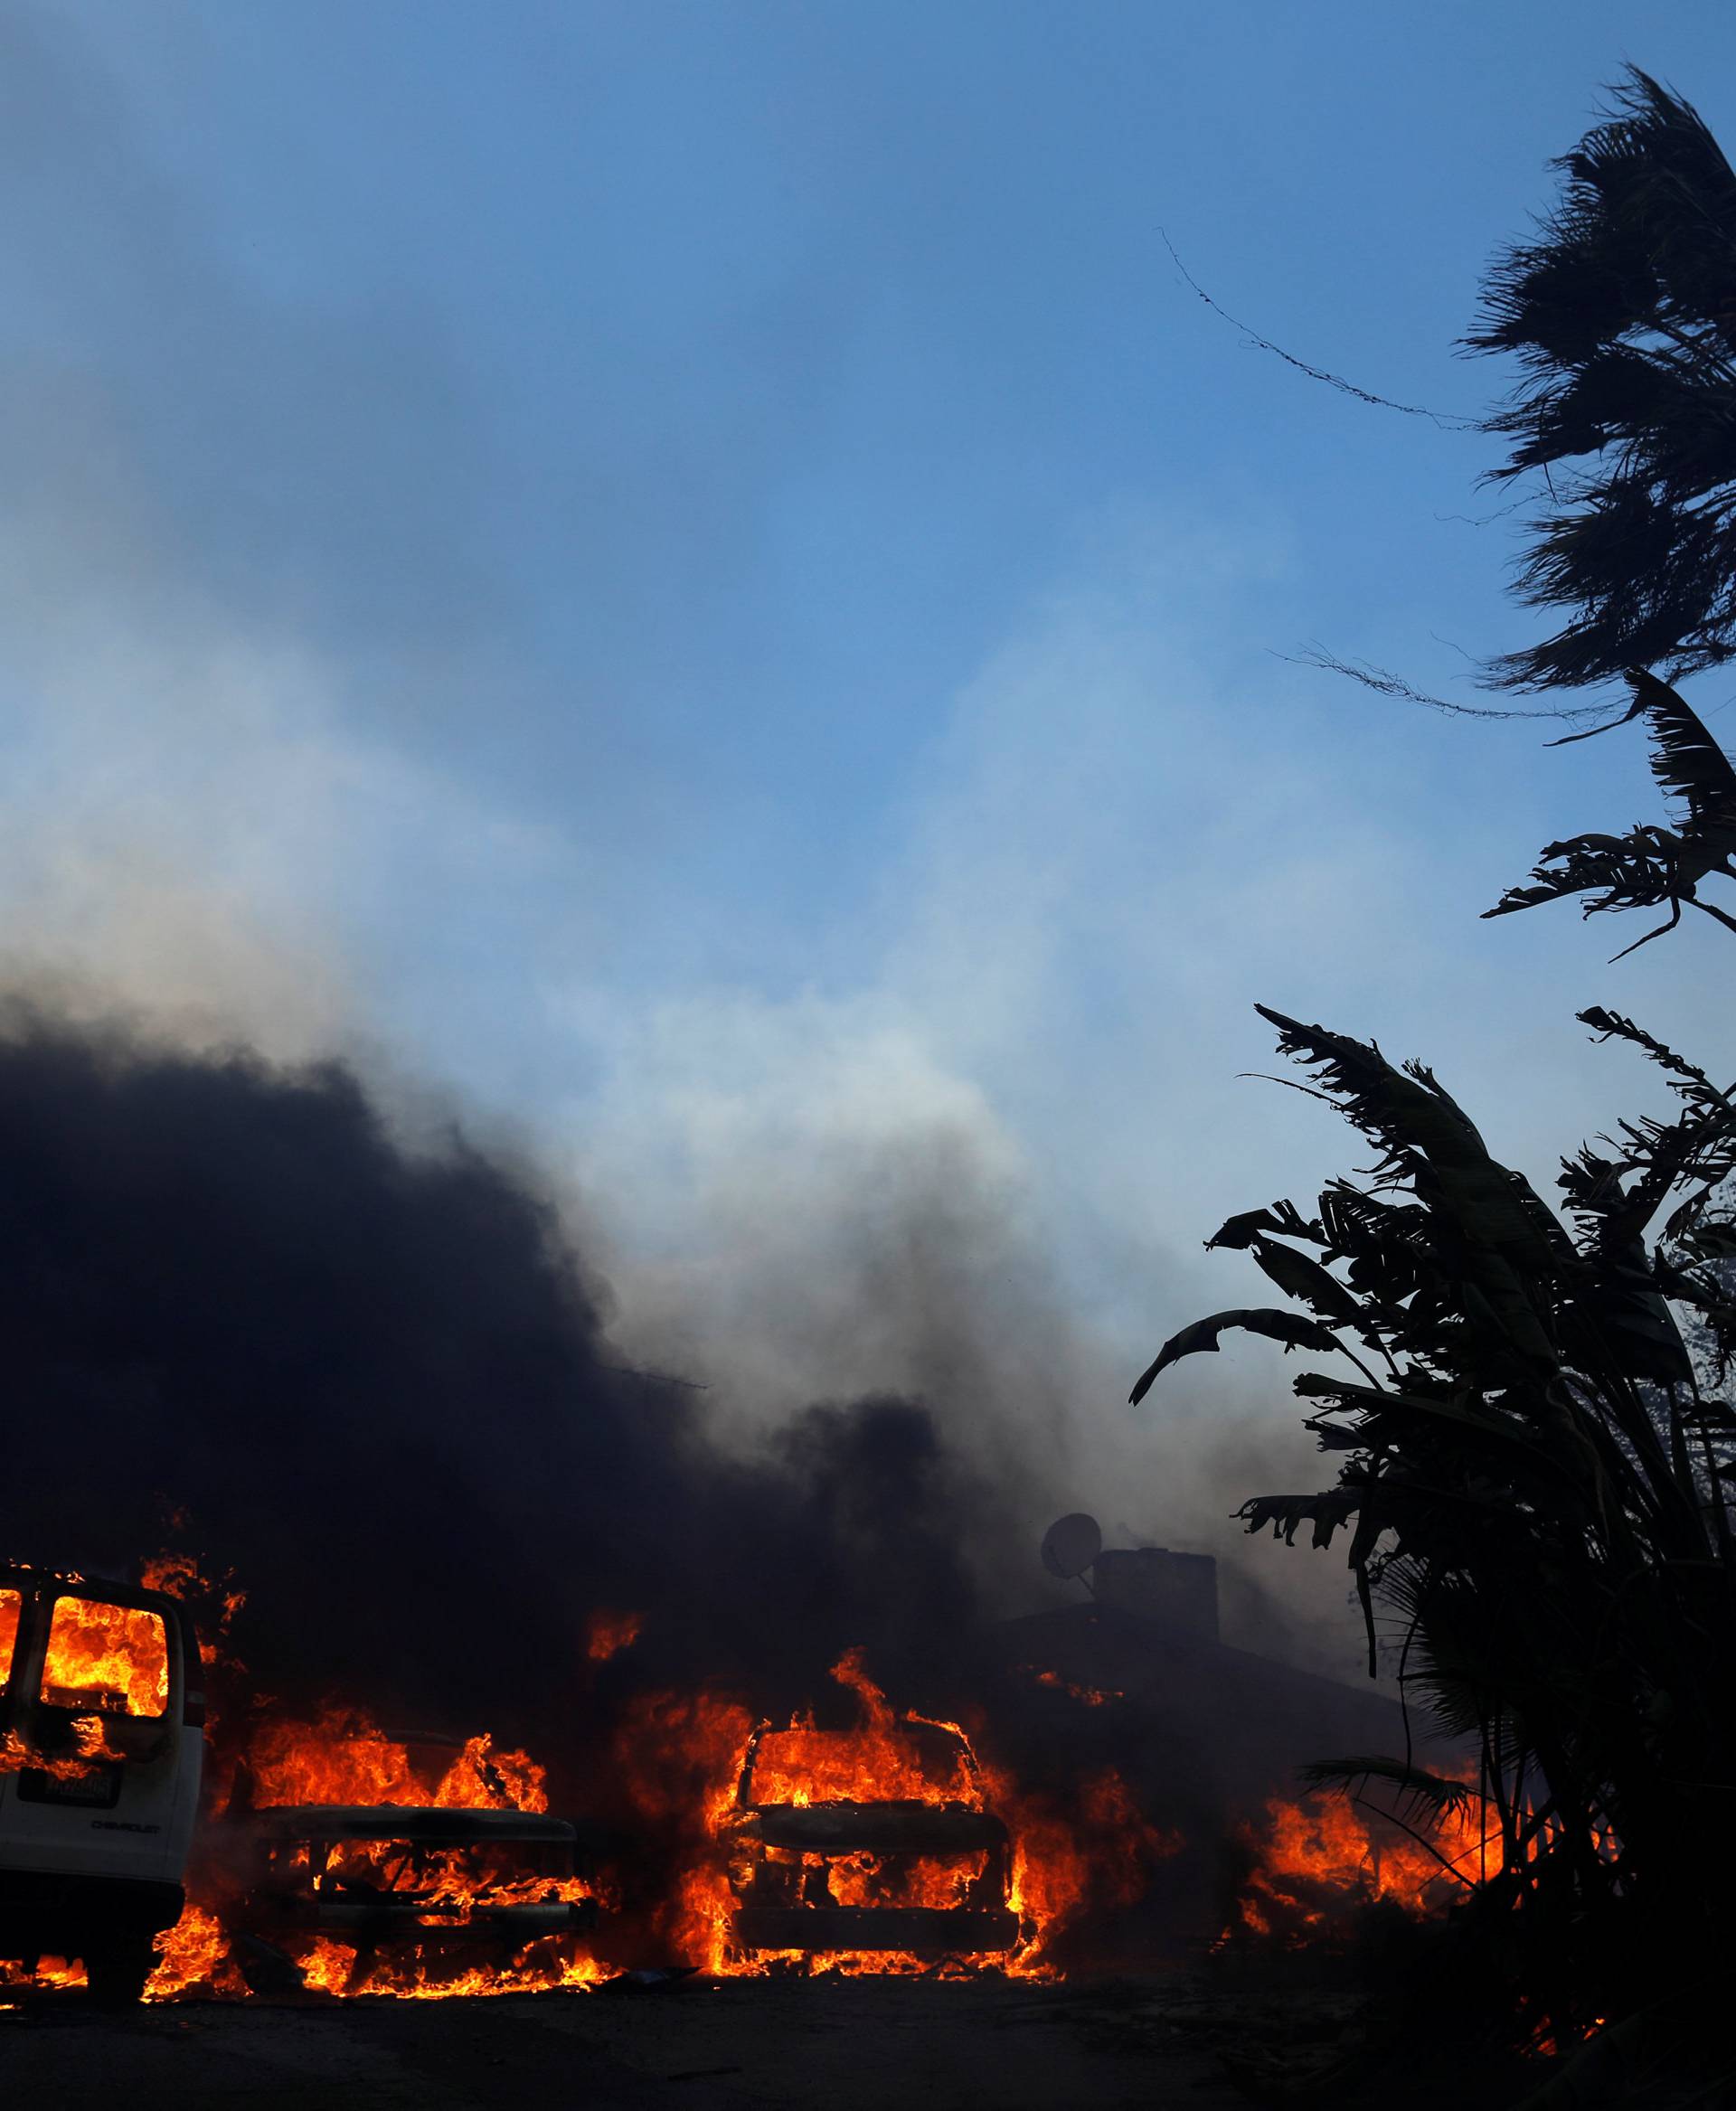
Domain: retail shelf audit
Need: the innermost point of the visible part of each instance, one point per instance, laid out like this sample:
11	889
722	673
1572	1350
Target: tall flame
692	1763
344	1757
684	1756
109	1658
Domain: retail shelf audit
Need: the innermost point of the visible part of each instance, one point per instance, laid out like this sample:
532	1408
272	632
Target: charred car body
425	1890
817	1861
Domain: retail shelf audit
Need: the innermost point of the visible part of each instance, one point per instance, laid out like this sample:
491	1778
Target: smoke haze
629	757
376	1380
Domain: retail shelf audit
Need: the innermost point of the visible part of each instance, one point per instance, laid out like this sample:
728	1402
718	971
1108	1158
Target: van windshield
10	1605
112	1659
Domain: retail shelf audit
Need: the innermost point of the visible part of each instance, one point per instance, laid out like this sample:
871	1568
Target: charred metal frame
269	1905
897	1828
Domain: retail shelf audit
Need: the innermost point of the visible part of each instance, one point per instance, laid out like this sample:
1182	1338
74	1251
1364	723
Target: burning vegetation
1316	1862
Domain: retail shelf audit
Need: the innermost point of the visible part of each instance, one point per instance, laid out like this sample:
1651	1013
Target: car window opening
10	1606
105	1659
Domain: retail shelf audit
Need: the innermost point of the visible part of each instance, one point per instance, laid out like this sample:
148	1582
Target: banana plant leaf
1202	1338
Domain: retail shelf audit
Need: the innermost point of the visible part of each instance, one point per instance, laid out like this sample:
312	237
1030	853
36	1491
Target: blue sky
689	580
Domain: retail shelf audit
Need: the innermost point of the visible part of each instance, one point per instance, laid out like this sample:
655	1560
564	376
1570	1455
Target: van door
12	1607
103	1728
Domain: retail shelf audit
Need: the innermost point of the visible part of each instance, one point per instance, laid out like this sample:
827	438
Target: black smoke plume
375	1377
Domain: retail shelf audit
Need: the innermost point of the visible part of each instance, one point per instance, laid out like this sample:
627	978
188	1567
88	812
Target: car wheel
117	1971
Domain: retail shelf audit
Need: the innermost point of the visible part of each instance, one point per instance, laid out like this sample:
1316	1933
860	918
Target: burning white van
102	1746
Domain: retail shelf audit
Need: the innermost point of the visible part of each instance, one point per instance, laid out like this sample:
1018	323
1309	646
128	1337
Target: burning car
873	1840
344	1898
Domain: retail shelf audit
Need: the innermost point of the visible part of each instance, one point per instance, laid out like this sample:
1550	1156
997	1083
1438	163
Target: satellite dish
1071	1544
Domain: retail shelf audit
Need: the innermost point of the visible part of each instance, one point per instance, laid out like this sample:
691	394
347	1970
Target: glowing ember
1091	1696
329	1967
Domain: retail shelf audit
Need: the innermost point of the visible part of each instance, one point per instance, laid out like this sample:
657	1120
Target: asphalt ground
699	2045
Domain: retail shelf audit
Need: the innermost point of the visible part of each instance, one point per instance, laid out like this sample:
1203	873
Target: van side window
111	1659
11	1604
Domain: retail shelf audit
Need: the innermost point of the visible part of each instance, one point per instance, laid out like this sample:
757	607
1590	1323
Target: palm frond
1421	1794
1620	315
1687	762
1202	1339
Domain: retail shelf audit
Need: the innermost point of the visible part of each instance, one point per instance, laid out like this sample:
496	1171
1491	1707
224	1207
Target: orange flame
214	1598
1093	1696
345	1758
328	1967
880	1761
1319	1857
194	1952
681	1759
111	1659
684	1759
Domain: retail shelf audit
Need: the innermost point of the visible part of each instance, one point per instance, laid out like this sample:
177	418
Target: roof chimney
1178	1591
